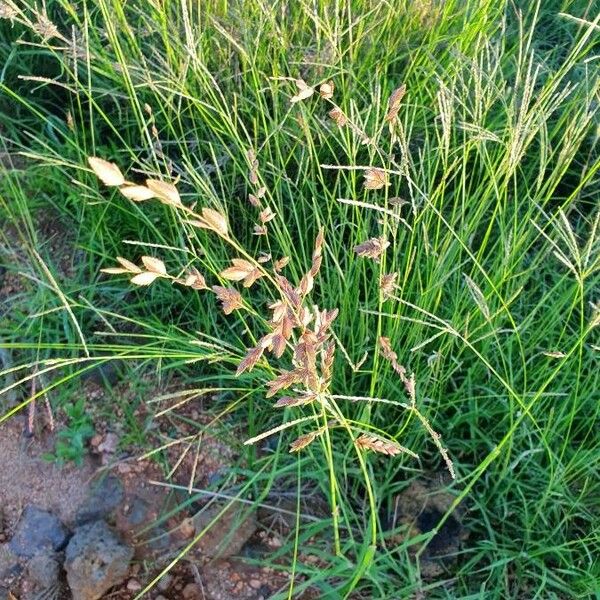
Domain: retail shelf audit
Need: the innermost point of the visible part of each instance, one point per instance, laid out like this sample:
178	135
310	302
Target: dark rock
105	497
9	563
38	531
140	521
43	570
106	373
229	532
95	561
139	511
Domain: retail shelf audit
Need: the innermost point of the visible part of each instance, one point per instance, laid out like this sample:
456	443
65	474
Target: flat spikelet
108	173
166	192
303	441
375	179
381	445
372	248
304	91
230	299
137	193
394	103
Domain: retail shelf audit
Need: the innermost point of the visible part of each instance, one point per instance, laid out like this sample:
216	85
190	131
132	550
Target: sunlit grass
491	215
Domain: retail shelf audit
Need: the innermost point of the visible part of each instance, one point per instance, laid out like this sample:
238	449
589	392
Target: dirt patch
418	510
27	478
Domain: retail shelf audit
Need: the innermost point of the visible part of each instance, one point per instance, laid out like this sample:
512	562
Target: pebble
187	528
133	585
255	583
164	583
38	530
191	592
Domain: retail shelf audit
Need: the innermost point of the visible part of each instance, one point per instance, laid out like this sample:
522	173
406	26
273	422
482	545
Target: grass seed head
230	298
387	284
326	90
302	441
137	193
372	248
394	103
108	173
375	179
304	91
166	192
377	444
338	117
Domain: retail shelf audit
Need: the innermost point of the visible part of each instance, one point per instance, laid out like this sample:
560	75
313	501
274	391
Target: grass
495	242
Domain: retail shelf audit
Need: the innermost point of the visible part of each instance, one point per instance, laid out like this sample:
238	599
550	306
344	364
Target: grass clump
407	194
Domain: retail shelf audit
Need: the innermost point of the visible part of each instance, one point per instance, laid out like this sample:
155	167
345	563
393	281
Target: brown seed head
375	179
394	103
372	248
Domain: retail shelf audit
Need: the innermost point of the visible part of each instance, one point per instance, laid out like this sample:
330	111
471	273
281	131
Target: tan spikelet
375	179
326	90
302	400
283	381
372	248
304	91
108	173
249	361
145	278
394	103
338	117
166	192
387	284
154	265
194	279
230	299
381	445
303	441
137	193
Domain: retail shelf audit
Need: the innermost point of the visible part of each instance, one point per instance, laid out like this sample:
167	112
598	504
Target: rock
133	585
191	592
106	373
9	563
105	497
95	561
228	533
37	531
139	521
43	570
164	583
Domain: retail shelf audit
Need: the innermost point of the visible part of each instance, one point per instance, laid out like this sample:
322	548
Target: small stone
164	583
160	597
37	531
9	562
109	444
133	585
238	587
255	584
191	592
187	528
228	533
103	500
95	561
